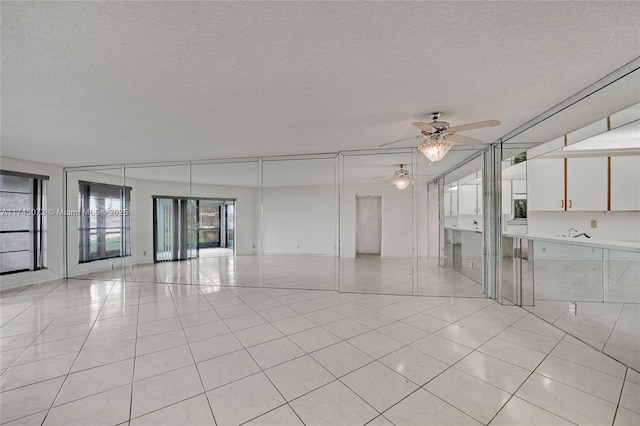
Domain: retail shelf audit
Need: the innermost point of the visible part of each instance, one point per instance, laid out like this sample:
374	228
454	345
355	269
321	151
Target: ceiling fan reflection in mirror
400	178
440	136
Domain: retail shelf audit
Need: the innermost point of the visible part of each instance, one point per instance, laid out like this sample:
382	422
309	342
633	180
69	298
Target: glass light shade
435	150
402	182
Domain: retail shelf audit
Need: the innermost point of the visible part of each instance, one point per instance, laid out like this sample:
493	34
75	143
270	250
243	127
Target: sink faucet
572	229
581	235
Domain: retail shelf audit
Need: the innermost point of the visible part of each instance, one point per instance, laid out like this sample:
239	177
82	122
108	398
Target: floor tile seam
87	396
4	390
16	316
422	388
572	387
601	351
527	379
23	417
269	411
612	328
167	406
268	322
522	346
589	367
195	364
262	371
378	413
467	329
620	399
46	328
496	358
535	405
78	354
43	359
36	337
135	354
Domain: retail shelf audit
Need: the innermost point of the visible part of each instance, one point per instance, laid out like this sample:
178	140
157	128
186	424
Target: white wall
620	226
300	220
54	237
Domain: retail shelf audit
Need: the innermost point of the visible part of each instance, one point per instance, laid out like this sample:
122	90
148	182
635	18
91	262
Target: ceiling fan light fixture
402	182
435	150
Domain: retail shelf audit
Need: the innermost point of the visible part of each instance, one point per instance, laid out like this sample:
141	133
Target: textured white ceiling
109	82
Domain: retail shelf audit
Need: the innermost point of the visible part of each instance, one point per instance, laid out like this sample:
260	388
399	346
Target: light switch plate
594	223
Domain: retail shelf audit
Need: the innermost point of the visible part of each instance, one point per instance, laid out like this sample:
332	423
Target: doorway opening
368	225
186	228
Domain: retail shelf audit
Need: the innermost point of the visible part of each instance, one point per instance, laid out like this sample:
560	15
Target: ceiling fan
440	136
400	178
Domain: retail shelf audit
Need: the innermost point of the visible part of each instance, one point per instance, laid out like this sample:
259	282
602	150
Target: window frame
86	230
37	224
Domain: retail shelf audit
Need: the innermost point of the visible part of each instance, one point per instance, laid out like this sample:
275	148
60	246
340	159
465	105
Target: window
22	199
105	226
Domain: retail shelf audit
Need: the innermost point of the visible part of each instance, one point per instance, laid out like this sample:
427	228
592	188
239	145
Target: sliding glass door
185	226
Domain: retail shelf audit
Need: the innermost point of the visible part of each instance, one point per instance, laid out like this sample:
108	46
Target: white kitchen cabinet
451	203
587	184
545	184
507	197
470	199
625	183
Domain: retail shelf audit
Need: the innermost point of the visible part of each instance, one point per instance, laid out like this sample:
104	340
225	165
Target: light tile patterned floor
107	352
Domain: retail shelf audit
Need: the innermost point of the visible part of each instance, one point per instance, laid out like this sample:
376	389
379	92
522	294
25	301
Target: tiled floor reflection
610	327
79	352
362	274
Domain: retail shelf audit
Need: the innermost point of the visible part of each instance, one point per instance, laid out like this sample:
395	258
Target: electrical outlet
298	246
144	253
594	223
573	308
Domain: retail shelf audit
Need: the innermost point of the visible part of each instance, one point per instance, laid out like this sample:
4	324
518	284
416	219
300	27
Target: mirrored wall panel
460	235
98	223
376	223
583	219
161	223
299	222
226	221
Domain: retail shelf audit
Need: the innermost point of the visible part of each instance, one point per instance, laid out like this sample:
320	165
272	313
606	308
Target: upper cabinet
451	203
545	184
470	199
625	183
585	185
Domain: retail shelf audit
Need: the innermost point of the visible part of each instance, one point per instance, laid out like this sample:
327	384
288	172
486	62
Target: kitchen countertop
455	228
633	246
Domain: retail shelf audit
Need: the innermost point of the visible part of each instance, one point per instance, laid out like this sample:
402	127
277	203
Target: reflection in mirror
300	211
376	219
160	215
463	230
514	194
583	229
226	223
98	226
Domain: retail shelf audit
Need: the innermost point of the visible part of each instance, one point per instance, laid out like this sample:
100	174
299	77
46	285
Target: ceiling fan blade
463	139
401	140
427	127
381	177
472	126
